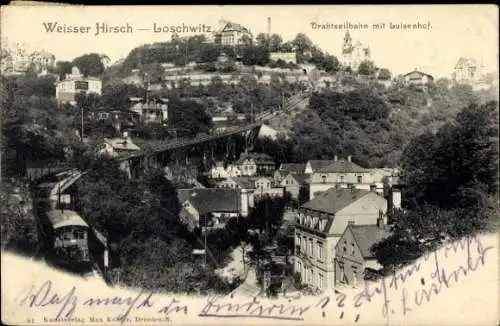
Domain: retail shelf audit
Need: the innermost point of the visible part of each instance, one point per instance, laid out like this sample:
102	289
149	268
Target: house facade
251	164
294	182
343	173
76	83
321	223
231	34
153	111
418	79
354	261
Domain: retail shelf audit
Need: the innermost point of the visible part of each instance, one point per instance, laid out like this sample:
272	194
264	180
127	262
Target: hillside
369	121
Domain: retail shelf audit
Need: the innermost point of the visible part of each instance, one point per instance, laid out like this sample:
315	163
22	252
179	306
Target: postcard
240	165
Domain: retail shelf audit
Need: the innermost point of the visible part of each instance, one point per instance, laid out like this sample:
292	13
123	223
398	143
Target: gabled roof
293	167
318	164
342	166
230	26
465	63
245	182
334	200
209	200
301	178
366	236
420	73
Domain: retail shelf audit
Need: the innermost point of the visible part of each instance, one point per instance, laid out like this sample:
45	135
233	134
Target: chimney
335	158
349	158
268	27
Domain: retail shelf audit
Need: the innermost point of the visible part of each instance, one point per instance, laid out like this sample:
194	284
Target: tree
89	64
63	68
262	40
275	42
152	73
302	43
384	74
18	225
366	68
209	53
189	115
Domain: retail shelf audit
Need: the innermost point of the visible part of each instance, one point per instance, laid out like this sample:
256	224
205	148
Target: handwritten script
394	293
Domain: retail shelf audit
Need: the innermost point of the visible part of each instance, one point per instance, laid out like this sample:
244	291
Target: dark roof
293	167
245	182
319	164
420	73
333	200
300	177
342	166
258	157
209	200
366	236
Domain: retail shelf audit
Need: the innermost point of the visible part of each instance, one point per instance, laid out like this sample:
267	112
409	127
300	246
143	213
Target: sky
456	30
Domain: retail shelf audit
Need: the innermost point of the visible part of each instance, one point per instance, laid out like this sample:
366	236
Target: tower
347	49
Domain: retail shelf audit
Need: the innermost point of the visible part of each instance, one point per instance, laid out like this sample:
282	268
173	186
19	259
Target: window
311	248
341	273
360	179
323	178
341	178
321	282
81	85
345	246
320	251
352	249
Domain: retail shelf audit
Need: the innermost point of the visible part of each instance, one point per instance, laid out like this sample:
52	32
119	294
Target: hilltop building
232	34
76	83
353	55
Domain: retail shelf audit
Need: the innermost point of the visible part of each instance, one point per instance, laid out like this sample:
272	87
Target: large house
418	79
320	225
344	173
467	71
353	55
152	111
354	260
42	61
232	34
76	83
210	207
254	186
251	164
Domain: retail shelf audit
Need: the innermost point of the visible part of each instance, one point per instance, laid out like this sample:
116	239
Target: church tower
347	49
